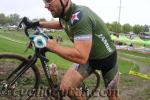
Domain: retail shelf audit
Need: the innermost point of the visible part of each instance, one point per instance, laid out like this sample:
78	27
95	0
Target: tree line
14	19
125	28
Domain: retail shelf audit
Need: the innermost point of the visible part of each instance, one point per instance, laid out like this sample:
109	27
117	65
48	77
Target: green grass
125	66
134	53
11	46
17	35
19	48
137	56
61	63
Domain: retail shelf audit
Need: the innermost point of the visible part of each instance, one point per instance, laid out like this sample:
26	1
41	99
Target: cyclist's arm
79	53
50	24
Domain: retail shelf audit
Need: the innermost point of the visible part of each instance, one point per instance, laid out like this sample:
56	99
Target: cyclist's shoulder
83	9
80	16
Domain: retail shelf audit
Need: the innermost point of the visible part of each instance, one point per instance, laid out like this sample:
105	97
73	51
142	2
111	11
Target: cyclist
92	46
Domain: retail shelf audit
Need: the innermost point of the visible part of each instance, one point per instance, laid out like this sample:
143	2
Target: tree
126	28
14	19
2	18
138	28
146	28
116	27
109	26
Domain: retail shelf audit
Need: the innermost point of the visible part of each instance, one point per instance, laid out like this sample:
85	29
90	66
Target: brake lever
20	25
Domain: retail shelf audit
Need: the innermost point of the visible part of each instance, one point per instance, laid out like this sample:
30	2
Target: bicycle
18	73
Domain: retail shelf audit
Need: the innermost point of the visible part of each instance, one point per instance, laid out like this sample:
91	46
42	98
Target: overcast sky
132	12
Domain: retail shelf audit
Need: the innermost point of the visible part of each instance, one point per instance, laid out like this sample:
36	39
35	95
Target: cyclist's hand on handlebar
39	40
51	44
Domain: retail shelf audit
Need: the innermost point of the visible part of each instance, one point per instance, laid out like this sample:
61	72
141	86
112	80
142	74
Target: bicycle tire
8	64
90	85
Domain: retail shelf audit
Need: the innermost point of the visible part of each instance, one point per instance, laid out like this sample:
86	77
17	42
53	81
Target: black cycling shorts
107	66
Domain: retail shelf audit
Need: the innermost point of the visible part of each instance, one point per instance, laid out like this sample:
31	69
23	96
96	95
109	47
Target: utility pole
117	25
120	6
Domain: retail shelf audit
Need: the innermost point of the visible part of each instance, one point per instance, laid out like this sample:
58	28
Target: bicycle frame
24	66
39	53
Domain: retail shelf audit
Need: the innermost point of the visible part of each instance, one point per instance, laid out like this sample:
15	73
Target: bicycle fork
23	67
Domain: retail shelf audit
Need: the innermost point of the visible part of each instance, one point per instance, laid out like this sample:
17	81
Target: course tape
139	74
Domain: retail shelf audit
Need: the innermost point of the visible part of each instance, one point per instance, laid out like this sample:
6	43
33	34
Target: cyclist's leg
72	80
111	79
109	69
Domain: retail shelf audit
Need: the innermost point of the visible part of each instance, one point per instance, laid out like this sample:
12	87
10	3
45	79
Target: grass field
15	42
12	45
131	59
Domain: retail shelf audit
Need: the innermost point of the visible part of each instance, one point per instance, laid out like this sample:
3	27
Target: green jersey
80	23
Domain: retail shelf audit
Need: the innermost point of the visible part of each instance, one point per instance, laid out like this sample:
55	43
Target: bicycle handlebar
25	21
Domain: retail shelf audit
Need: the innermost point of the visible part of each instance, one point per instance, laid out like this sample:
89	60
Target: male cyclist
92	47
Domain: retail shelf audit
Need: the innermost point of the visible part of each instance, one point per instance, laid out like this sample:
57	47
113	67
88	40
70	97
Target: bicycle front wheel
23	87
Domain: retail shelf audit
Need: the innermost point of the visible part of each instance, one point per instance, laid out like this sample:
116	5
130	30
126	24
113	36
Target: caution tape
139	74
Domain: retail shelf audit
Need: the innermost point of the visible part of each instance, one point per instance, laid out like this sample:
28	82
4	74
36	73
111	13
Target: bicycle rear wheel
22	88
90	85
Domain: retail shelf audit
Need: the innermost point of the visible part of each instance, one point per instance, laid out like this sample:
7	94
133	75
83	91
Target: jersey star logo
75	17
